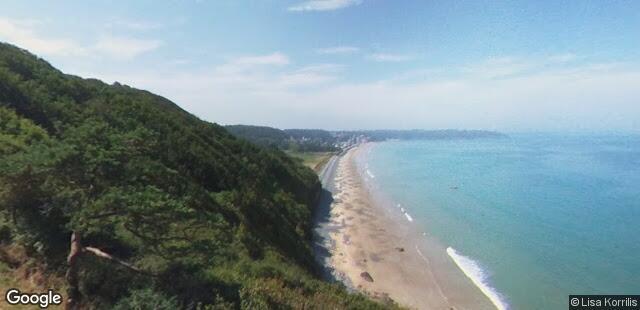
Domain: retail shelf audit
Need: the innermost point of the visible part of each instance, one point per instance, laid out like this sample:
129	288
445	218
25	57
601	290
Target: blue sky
347	64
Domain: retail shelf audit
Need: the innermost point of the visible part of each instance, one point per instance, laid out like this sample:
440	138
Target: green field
313	160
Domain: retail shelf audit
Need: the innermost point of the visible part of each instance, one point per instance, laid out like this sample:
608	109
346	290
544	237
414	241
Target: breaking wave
478	276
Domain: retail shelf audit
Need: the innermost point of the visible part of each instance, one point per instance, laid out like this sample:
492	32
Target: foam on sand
408	217
406	214
478	276
370	174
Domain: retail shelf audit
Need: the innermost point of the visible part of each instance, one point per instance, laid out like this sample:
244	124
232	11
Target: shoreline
377	250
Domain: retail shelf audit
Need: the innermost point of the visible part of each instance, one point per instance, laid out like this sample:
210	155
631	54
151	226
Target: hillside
261	135
189	215
296	140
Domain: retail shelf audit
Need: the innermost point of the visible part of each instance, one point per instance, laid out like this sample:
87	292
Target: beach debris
400	249
366	276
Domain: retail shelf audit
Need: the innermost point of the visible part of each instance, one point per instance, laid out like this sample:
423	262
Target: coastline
376	250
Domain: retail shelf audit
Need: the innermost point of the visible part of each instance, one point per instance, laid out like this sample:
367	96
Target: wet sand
379	252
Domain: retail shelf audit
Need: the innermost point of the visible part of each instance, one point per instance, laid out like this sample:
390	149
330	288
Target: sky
356	64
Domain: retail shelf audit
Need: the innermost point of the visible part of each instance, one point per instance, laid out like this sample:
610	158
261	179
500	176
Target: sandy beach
377	250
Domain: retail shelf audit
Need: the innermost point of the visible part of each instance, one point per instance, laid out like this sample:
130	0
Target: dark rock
365	275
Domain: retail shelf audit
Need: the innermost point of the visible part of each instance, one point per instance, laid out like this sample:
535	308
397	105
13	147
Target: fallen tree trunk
76	251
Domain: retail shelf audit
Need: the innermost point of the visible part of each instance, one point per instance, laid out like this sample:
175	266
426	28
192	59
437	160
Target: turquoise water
544	216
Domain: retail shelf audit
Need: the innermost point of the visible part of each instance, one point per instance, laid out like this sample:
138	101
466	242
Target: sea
530	218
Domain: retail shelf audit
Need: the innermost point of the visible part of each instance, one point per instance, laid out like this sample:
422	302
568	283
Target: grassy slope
313	160
17	271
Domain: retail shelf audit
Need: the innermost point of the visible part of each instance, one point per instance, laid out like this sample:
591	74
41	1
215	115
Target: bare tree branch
99	253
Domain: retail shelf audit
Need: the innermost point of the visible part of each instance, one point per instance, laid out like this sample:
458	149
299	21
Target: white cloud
323	5
179	62
310	76
499	67
124	48
134	25
277	59
248	83
382	57
303	79
22	33
251	64
338	50
325	68
594	96
567	57
256	74
586	97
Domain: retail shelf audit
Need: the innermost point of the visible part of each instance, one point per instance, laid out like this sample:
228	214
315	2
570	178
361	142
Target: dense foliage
261	135
295	140
210	220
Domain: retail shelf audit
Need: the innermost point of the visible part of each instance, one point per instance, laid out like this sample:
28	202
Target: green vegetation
313	160
294	140
185	214
261	135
